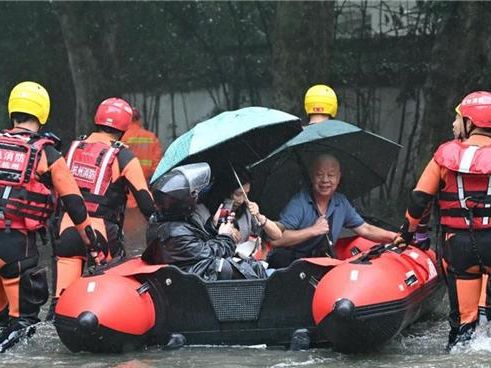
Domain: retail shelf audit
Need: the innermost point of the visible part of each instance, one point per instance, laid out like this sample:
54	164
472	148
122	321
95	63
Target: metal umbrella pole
243	191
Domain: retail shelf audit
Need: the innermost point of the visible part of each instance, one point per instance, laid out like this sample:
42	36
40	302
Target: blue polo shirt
301	212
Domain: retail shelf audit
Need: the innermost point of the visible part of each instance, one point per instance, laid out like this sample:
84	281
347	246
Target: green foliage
158	47
381	62
172	46
33	49
178	46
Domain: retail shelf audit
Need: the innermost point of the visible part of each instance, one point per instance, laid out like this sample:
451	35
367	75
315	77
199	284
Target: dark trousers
464	265
283	257
24	286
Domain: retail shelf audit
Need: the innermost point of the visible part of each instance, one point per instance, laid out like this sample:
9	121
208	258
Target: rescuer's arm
156	154
53	168
420	201
131	169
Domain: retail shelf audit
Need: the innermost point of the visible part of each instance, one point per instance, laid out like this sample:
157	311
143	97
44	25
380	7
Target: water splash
309	362
480	343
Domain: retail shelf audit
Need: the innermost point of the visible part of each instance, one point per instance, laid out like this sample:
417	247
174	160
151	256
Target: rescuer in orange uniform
146	147
105	169
30	167
460	174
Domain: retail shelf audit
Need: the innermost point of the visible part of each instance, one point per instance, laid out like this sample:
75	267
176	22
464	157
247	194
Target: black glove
95	250
405	236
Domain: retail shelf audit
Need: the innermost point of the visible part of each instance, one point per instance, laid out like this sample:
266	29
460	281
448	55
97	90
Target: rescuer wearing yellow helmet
31	169
321	103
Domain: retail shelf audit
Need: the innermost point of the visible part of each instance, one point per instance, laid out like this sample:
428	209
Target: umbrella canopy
240	137
365	159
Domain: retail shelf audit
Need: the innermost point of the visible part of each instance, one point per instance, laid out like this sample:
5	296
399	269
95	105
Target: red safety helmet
476	107
115	113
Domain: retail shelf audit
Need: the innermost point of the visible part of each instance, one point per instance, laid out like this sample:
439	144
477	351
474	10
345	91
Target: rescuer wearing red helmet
105	169
31	172
460	174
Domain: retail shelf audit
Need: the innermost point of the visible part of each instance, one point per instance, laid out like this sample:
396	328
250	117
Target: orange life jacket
25	202
465	198
91	165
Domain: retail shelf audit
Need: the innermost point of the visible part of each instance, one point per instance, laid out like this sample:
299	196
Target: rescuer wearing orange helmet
321	103
105	169
30	167
460	174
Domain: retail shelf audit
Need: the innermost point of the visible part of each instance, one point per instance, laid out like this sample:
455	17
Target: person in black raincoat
177	236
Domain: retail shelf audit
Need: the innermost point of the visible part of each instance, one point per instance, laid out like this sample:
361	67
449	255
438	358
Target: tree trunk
89	81
302	46
458	63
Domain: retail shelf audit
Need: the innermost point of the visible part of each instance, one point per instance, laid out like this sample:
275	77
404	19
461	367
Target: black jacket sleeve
184	245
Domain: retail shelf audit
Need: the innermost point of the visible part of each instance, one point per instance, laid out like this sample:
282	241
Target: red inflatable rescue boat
356	303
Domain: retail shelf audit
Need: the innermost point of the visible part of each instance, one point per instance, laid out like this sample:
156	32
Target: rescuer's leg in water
25	285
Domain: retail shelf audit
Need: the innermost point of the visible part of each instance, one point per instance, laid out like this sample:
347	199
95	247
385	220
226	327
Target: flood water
420	346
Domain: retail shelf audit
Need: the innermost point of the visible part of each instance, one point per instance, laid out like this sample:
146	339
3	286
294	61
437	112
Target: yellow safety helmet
30	98
321	99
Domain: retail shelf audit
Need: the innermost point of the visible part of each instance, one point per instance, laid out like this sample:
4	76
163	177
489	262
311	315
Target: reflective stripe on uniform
464	167
145	162
461	193
467	157
139	140
69	157
105	162
485	220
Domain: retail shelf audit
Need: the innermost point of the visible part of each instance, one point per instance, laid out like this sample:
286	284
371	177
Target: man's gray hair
322	158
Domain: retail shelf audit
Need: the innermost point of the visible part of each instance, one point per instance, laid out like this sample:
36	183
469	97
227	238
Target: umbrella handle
243	191
329	241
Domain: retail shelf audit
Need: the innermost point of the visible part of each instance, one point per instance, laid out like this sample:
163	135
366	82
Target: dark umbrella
239	137
365	158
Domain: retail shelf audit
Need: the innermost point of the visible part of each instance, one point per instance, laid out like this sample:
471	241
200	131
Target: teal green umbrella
365	159
239	137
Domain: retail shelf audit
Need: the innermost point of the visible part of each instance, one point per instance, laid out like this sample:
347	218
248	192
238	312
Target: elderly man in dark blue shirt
313	219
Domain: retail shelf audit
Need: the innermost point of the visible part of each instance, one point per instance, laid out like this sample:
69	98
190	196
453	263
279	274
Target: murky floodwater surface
420	346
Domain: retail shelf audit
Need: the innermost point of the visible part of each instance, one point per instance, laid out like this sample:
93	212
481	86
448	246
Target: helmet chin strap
480	132
467	132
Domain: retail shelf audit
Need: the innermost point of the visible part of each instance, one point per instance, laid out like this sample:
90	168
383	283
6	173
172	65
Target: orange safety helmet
476	107
115	113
